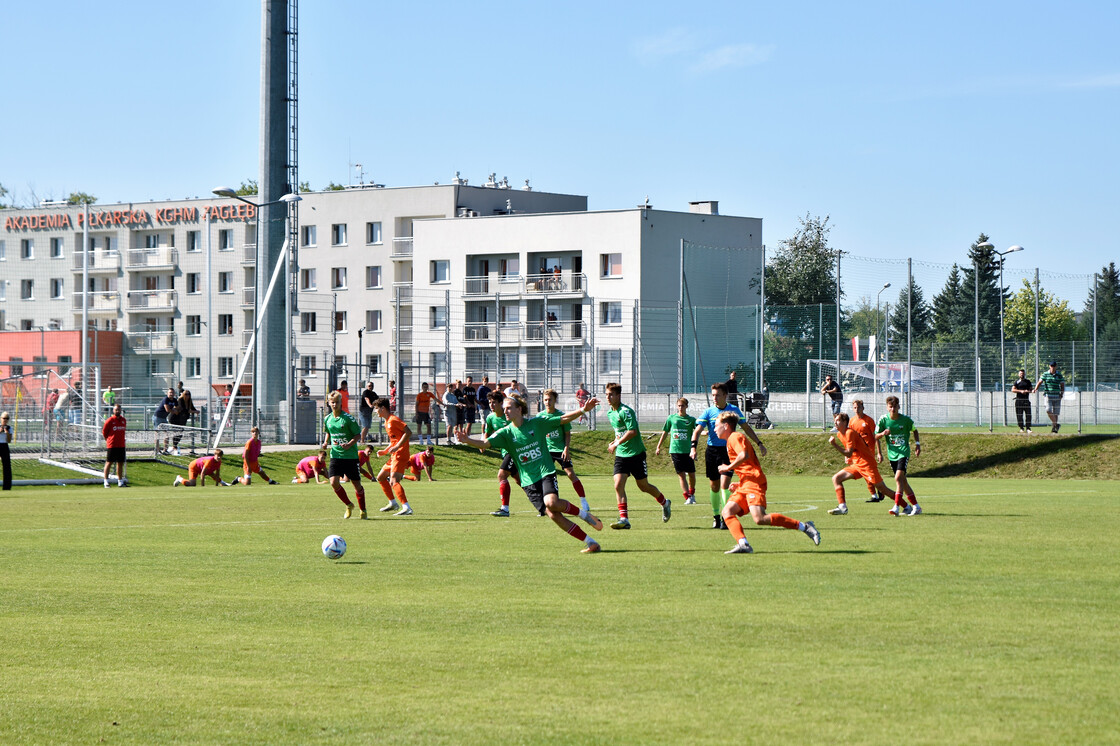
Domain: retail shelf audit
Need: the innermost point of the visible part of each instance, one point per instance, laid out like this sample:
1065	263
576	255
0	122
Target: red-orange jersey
865	426
424	401
750	470
363	458
396	428
861	452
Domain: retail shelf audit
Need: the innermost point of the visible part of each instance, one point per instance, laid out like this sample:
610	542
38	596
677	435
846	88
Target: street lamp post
361	364
231	193
1002	372
875	362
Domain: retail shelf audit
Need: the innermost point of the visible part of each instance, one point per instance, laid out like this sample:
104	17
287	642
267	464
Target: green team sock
717	501
725	496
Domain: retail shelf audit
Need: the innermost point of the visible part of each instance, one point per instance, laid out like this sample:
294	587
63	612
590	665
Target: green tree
80	198
981	272
247	188
921	317
3	194
305	186
1056	321
1106	290
802	270
332	187
947	316
862	321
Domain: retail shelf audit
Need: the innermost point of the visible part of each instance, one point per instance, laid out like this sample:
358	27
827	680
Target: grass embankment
944	454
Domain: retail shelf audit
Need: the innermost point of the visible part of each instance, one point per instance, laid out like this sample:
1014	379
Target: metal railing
248	297
402	248
99	261
152	258
403	290
249	253
540	284
159	341
105	302
152	300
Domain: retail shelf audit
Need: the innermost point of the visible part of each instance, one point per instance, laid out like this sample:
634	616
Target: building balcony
99	261
402	248
404	334
554	332
530	333
102	303
402	290
248	297
153	258
565	283
152	342
152	300
249	254
246	338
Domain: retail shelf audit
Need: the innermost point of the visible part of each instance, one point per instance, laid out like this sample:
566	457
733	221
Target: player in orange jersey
250	464
391	473
365	459
750	494
201	468
860	463
865	426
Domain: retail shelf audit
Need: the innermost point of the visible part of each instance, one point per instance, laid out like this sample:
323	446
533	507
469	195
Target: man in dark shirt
482	396
469	400
163	411
732	389
304	391
365	410
1022	390
832	389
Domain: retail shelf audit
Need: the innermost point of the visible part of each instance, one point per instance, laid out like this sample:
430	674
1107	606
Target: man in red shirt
113	432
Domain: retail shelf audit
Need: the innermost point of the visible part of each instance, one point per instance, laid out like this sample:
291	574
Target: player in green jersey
629	457
524	438
492	424
560	443
896	428
340	432
679	428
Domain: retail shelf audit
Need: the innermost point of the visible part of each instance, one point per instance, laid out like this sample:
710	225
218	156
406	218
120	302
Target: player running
679	427
495	421
250	456
421	463
525	436
560	443
715	456
312	466
750	496
629	457
859	463
200	468
390	475
896	428
865	426
340	432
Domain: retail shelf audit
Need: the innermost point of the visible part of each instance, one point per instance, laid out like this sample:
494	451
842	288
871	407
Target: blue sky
915	126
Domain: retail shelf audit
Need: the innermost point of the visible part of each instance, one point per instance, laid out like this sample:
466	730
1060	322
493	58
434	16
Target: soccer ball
334	546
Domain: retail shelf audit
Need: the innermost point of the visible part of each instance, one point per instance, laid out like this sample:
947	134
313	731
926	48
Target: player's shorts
365	420
1054	405
899	465
869	472
250	466
114	455
683	463
635	466
192	472
537	490
422	418
509	465
345	467
557	456
399	461
748	494
470	415
715	457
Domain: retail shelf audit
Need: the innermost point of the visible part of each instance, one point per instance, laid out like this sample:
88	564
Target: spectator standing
393	395
5	451
832	390
109	398
181	414
1053	384
162	416
114	433
451	410
482	396
582	395
1022	390
470	405
365	410
344	390
303	392
423	417
732	389
48	407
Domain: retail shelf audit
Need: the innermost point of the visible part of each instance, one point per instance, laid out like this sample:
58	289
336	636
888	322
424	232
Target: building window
3	252
373	321
509	268
610	362
307	235
225	282
373	278
194	241
194	367
27	248
373	232
56	289
307	365
509	361
194	326
26	325
373	364
194	283
225	239
307	322
15	370
438	361
151	241
610	313
307	279
225	324
225	367
440	271
54	324
438	317
3	290
56	248
610	265
27	289
338	234
340	321
338	278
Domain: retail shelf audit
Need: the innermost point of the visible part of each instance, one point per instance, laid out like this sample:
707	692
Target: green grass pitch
154	615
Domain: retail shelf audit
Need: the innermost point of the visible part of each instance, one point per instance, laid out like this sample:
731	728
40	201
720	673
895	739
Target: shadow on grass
1035	449
351	562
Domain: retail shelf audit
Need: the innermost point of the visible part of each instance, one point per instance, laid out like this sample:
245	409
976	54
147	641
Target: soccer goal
874	380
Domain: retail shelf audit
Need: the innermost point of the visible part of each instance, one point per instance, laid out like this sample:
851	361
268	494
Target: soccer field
210	615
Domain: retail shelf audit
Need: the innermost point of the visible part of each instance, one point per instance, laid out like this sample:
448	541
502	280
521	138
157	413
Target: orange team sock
386	489
361	495
783	521
410	477
578	487
341	492
622	509
659	498
840	494
503	491
735	527
577	532
398	490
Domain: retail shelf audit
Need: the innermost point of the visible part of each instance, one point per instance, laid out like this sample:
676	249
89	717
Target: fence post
808	396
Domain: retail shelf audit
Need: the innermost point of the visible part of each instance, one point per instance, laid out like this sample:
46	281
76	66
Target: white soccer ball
334	546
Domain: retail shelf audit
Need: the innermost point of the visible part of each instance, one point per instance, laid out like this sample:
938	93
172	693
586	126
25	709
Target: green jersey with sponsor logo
342	429
528	446
494	422
680	432
898	435
623	420
555	437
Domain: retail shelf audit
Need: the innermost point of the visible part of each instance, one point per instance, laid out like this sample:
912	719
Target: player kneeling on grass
200	468
421	463
525	438
390	475
250	456
860	464
750	494
312	466
341	434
